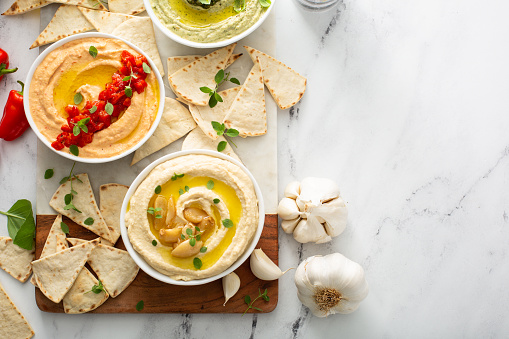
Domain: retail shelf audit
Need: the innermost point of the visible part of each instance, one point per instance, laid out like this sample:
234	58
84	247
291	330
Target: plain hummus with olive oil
193	216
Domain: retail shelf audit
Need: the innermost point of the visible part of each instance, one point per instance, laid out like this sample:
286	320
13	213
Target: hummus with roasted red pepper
103	102
193	216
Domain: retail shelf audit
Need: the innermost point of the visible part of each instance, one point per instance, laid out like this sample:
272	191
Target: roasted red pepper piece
4	64
14	122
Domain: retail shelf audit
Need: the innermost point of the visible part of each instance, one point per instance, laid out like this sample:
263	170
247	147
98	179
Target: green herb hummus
218	22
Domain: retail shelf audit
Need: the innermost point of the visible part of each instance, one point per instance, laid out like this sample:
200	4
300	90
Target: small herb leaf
64	227
235	81
154	242
197	263
247	299
181	191
205	89
158	189
210	184
92	51
186	188
128	91
146	68
78	98
232	133
74	150
221	146
127	78
49	173
140	305
216	201
227	223
89	221
92	111
219	76
109	108
203	249
192	241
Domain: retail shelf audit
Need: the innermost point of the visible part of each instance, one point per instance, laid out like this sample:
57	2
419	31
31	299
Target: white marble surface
406	108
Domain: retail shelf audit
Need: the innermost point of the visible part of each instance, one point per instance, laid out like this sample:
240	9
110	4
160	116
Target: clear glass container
318	5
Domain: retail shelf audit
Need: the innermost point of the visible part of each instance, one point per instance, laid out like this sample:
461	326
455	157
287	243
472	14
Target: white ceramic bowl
45	141
164	278
194	44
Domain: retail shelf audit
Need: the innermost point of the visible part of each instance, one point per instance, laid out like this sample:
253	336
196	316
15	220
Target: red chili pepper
14	122
4	64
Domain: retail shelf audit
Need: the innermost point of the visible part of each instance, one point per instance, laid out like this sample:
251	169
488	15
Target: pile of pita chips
81	298
111	197
23	6
68	20
12	323
83	201
247	113
104	22
176	122
140	32
186	82
55	274
15	260
285	85
198	140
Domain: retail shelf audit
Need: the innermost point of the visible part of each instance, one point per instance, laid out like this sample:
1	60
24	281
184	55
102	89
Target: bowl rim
194	44
42	56
138	259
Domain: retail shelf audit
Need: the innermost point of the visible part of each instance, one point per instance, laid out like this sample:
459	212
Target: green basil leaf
192	241
219	128
49	173
189	231
84	128
92	111
158	189
146	68
205	89
197	263
227	223
218	97
64	227
92	51
216	201
221	146
140	305
235	81
78	98
203	249
247	299
128	91
68	198
19	215
232	133
212	101
219	76
89	221
127	78
76	130
74	150
25	236
109	108
210	184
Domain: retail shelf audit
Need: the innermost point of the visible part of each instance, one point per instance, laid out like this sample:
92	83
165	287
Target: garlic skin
231	285
313	210
263	268
330	284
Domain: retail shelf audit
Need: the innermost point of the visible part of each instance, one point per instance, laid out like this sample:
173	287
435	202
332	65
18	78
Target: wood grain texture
164	298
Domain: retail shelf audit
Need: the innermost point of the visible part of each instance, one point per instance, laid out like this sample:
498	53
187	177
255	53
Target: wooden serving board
164	298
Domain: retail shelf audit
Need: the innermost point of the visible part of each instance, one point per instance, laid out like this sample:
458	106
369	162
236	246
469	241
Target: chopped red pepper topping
128	79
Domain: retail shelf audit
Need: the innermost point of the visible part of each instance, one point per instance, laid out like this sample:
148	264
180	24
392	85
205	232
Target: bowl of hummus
199	25
192	217
93	97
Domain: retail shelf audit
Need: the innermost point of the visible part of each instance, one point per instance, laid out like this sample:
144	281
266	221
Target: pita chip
15	260
198	140
131	7
23	6
67	21
111	197
178	62
114	267
55	274
79	241
83	201
79	299
204	115
187	81
12	323
247	113
175	123
140	32
61	243
285	85
104	21
94	4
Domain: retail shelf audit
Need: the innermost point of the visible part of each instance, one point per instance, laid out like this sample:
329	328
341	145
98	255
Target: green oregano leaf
78	98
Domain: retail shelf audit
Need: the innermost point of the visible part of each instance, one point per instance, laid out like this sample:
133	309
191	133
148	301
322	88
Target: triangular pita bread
56	273
198	140
61	243
79	241
94	4
187	81
67	21
23	6
285	85
104	21
178	62
247	114
111	197
50	246
114	267
131	7
85	202
15	260
175	123
140	32
204	115
79	299
12	323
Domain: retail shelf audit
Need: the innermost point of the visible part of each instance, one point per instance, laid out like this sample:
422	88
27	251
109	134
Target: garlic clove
289	225
287	209
334	216
231	285
292	190
310	230
262	267
315	191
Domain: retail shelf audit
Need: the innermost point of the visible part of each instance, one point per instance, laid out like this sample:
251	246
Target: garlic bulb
263	268
330	284
313	210
231	285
